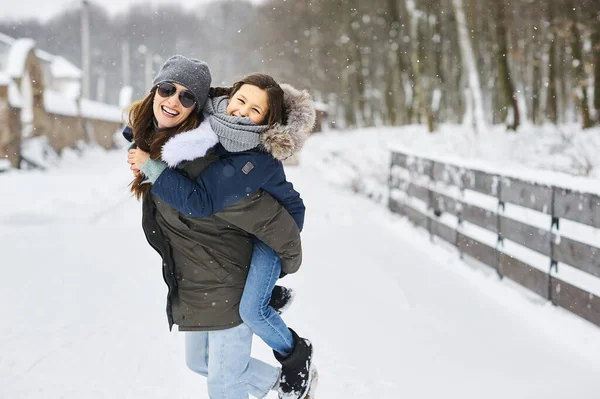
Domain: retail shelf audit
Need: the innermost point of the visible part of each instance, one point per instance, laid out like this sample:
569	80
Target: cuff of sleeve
152	169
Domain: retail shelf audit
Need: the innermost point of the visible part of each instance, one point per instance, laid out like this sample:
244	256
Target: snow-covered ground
391	315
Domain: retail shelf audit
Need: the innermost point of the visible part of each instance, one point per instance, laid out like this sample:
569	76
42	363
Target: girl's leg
232	373
262	319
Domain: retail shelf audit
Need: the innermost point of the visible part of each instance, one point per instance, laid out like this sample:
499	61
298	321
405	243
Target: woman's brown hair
151	140
274	95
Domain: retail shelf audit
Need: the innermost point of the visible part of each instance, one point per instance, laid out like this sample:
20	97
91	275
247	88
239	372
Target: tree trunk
506	82
596	52
581	94
455	101
416	62
349	101
551	100
356	64
471	67
390	90
536	89
393	100
437	69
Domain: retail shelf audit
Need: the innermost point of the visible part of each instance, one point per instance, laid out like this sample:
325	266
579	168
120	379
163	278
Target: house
40	97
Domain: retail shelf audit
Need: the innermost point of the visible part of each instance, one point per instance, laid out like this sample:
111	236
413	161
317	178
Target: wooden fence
439	188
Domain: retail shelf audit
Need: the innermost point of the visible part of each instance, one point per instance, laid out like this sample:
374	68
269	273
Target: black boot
296	370
281	298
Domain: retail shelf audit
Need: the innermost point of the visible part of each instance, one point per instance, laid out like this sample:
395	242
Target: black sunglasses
186	98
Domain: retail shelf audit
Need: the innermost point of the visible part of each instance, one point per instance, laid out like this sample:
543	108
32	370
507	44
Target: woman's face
249	101
168	111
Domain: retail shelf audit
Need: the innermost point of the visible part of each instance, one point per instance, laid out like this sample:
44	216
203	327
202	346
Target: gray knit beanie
189	72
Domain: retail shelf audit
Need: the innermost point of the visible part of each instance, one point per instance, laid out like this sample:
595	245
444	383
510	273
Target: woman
205	261
252	108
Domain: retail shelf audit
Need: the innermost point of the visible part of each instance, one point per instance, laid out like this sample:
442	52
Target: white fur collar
189	145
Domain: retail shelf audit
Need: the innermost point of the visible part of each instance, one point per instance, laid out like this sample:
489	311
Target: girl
248	115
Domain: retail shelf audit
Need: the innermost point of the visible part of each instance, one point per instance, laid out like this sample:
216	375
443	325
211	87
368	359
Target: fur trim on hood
189	145
285	139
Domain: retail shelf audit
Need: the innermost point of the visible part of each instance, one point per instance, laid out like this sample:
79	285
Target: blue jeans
262	319
224	357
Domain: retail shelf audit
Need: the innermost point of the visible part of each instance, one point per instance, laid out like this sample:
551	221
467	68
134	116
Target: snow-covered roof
6	39
20	49
14	59
63	69
101	111
58	103
60	68
16	55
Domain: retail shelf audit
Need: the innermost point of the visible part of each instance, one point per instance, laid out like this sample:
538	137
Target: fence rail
428	181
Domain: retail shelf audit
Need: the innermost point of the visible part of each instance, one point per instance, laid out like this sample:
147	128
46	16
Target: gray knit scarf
235	133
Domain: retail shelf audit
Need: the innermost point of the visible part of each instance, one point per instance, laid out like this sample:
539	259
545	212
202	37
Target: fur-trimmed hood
285	139
282	140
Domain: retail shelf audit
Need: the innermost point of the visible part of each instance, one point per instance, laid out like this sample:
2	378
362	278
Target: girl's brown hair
151	140
274	95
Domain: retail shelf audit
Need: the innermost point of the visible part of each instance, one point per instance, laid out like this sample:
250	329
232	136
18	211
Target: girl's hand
136	159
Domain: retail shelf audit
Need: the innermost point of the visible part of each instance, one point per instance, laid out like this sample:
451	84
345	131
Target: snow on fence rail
468	209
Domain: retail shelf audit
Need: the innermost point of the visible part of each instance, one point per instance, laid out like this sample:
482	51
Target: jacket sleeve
263	216
284	192
222	184
128	134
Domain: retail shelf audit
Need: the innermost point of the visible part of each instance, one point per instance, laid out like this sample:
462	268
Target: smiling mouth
169	111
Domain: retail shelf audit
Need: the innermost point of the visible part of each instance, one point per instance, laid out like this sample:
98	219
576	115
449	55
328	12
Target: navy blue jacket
225	182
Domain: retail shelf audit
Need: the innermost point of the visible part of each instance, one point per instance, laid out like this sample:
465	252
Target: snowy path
391	315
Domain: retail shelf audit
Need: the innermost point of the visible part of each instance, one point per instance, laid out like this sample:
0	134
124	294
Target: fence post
390	180
430	201
463	176
499	209
553	223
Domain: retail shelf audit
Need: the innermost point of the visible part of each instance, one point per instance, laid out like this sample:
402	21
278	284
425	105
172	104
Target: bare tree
551	94
379	62
596	61
581	84
471	68
507	87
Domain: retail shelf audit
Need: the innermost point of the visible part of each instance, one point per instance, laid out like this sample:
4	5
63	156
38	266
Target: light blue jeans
224	357
255	311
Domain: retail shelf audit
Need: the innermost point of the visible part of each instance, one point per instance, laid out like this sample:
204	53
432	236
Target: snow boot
281	298
296	370
314	381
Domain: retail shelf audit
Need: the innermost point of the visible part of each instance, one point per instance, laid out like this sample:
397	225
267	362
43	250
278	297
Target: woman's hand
136	158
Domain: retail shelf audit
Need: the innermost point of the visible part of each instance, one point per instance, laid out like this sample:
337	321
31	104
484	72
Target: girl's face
249	101
168	110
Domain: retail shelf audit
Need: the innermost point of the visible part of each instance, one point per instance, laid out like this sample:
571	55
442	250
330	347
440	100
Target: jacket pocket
201	252
210	263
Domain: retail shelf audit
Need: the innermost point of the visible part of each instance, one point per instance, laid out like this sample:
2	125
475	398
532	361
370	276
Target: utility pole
125	62
148	67
85	49
148	60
